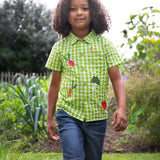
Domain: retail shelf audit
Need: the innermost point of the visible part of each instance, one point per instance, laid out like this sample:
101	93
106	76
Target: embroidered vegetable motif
72	87
104	105
95	81
70	62
90	49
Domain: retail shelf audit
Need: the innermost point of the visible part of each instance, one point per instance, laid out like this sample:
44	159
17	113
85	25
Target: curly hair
100	19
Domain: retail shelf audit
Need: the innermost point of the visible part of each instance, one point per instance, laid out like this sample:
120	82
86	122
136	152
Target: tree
143	34
26	36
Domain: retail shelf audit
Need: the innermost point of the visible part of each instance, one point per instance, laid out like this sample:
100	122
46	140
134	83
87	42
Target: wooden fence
7	77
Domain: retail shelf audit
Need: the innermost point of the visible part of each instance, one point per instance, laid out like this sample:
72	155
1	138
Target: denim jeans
80	140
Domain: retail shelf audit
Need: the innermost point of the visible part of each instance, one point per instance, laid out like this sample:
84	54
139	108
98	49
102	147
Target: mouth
79	20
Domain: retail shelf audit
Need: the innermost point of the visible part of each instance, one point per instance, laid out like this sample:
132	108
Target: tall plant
34	99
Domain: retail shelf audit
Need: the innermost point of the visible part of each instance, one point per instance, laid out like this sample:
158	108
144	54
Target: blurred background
26	39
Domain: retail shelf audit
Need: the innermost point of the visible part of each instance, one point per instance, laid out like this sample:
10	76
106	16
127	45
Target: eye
85	8
72	9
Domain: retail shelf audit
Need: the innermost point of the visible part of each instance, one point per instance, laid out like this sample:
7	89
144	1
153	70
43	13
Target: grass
57	156
7	155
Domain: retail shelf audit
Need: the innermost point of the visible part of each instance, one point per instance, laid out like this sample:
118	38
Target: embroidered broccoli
95	81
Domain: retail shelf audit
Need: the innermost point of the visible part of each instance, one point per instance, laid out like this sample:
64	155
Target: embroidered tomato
104	105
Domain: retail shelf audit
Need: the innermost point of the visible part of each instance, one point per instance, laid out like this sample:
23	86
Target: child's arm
52	100
119	89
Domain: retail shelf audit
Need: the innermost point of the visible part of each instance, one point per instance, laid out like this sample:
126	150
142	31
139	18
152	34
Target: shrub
143	107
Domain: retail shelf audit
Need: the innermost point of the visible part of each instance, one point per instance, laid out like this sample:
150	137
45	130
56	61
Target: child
81	63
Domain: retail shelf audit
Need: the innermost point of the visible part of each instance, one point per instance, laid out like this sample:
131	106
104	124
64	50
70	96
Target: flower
130	134
147	131
125	77
112	97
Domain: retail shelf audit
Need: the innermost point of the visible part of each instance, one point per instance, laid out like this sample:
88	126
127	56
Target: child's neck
80	33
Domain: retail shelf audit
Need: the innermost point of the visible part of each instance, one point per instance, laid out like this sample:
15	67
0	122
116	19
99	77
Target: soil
115	142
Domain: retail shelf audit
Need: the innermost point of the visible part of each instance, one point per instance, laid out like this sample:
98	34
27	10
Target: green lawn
56	156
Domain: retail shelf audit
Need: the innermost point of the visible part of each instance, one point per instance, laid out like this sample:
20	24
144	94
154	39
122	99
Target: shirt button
82	54
84	84
82	40
83	69
85	100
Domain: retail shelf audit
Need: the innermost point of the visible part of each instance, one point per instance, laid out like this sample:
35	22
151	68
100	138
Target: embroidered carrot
70	62
71	89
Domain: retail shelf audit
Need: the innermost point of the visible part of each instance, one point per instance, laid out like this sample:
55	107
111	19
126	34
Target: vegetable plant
34	99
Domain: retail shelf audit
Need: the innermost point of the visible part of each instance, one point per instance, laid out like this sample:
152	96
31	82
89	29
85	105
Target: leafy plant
33	98
8	118
143	107
143	37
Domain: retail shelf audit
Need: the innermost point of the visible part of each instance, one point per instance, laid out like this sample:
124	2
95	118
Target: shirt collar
89	38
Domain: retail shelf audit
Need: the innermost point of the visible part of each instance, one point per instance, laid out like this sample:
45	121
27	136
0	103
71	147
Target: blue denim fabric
80	140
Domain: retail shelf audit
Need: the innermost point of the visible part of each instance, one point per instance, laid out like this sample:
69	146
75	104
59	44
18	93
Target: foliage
8	119
143	36
22	104
32	99
26	36
143	107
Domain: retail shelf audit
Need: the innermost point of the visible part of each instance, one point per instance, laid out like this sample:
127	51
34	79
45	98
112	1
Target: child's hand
120	116
51	128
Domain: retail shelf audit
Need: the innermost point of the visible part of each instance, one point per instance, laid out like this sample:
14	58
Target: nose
79	11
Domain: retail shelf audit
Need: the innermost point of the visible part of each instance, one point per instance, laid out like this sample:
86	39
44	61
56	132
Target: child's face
79	16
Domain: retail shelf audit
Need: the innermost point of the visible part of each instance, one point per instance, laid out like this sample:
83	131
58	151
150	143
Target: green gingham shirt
83	64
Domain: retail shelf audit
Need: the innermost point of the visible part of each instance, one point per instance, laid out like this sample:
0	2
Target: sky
119	10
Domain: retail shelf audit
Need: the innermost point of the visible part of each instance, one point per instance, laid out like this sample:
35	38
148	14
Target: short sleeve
54	61
112	56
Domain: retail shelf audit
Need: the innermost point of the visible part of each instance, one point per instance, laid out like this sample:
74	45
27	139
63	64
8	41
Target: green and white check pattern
83	63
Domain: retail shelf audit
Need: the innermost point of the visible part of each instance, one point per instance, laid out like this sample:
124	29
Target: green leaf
145	40
37	111
142	31
140	111
133	106
145	8
21	94
155	11
132	17
43	108
131	127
